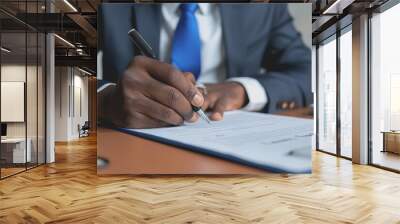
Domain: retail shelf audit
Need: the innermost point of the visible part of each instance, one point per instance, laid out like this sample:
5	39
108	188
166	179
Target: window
327	96
385	89
334	138
346	75
22	77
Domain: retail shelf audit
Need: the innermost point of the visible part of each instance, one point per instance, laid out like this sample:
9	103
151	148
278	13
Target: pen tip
203	116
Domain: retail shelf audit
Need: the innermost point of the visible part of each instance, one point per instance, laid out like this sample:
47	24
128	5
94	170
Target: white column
50	92
63	101
50	99
360	90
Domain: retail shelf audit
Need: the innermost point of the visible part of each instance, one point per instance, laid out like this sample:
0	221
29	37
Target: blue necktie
186	43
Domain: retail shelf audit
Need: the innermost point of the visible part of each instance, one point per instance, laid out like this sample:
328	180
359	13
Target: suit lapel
234	38
148	17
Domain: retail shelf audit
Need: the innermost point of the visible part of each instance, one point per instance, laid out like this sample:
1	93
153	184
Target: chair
84	130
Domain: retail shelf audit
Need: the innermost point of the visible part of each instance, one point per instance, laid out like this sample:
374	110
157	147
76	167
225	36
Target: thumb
218	111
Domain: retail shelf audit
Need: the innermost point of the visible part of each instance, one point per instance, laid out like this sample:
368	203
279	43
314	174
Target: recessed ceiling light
70	5
337	7
84	71
5	50
64	40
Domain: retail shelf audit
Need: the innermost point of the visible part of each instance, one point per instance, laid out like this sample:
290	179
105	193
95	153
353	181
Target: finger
168	74
209	101
192	81
206	104
189	76
218	111
138	120
158	111
194	118
170	97
203	92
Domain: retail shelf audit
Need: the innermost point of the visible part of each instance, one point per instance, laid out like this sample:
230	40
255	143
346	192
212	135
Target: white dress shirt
212	50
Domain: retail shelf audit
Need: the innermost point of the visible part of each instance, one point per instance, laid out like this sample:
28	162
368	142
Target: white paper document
270	142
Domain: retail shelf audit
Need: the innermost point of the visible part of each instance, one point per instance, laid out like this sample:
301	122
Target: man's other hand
223	97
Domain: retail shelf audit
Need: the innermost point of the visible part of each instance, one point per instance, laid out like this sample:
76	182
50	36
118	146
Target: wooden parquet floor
69	191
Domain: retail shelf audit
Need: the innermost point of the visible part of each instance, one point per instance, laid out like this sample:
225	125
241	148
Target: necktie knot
189	7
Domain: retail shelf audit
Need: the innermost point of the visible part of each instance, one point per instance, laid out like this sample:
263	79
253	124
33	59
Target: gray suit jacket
260	42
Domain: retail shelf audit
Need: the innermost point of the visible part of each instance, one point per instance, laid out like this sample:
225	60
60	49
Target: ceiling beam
89	30
81	61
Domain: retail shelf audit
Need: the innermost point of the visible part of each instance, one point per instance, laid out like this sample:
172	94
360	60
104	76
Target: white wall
61	103
34	125
17	73
80	89
71	93
14	73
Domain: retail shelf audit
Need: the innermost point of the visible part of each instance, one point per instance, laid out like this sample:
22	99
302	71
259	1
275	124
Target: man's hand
153	94
224	97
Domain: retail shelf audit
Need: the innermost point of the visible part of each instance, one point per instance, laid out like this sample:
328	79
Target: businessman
248	56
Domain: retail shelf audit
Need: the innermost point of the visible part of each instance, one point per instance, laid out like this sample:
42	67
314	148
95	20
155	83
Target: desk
306	112
128	154
13	150
391	141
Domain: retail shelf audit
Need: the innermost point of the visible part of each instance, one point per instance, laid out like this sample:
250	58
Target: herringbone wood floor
69	191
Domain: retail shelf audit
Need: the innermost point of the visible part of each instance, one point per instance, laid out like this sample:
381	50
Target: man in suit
248	56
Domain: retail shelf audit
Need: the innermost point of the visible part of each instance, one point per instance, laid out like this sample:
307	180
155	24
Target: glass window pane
31	97
13	87
41	98
32	87
327	96
23	86
385	114
346	94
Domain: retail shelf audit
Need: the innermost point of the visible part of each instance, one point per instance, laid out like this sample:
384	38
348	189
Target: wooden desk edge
163	159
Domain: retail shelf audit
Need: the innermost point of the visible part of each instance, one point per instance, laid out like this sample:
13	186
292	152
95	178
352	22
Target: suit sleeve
288	65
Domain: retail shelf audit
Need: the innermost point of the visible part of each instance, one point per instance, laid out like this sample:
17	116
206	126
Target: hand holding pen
150	94
146	50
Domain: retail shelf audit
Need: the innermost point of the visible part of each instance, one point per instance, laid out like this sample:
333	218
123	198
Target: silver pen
147	51
201	113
